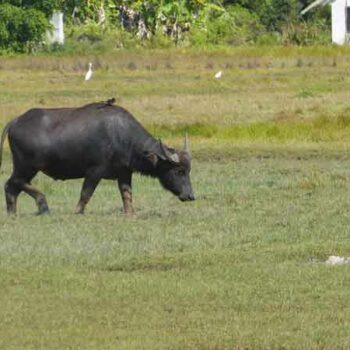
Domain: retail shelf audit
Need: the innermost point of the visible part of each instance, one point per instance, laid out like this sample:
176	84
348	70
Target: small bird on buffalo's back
111	101
88	74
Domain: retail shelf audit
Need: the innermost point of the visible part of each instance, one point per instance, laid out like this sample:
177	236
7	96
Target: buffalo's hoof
43	212
129	212
79	212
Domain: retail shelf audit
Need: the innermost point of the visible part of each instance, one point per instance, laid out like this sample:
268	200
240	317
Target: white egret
218	75
88	74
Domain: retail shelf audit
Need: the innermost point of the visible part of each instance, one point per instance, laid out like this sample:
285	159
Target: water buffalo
96	141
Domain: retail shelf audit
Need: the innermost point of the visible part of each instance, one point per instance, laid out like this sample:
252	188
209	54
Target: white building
56	35
340	18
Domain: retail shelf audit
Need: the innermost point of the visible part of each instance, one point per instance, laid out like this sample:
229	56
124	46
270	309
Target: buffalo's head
173	170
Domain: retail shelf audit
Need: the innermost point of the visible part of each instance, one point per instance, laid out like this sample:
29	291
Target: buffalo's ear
153	158
166	154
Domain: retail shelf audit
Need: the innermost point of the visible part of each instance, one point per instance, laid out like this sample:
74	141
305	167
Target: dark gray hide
94	142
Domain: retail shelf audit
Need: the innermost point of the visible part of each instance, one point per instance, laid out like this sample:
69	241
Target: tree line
24	23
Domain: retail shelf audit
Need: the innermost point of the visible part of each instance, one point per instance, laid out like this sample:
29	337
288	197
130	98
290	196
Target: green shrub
21	30
233	26
45	6
93	39
90	32
248	26
276	13
269	39
306	33
159	40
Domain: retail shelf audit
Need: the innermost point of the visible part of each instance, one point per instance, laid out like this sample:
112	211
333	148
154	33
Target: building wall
339	21
56	35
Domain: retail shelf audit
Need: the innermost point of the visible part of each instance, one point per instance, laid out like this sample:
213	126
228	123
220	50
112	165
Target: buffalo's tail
3	136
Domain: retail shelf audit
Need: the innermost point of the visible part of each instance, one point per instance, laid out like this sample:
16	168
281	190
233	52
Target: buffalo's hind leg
39	197
89	186
15	185
12	190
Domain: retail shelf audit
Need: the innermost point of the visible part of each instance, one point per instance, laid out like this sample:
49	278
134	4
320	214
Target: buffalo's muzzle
185	198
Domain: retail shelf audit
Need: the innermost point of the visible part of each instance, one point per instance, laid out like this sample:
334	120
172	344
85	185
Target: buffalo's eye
180	172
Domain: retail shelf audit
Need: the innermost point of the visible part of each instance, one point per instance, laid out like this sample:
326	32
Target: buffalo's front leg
124	183
89	186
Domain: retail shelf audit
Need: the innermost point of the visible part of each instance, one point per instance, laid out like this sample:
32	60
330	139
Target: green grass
177	87
242	267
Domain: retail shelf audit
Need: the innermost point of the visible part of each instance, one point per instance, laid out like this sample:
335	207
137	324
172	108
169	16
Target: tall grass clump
325	128
306	33
195	129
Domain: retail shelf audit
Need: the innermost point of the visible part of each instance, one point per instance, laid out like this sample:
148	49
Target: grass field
242	267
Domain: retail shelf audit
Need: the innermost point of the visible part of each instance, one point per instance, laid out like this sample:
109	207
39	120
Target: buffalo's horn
187	144
173	157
